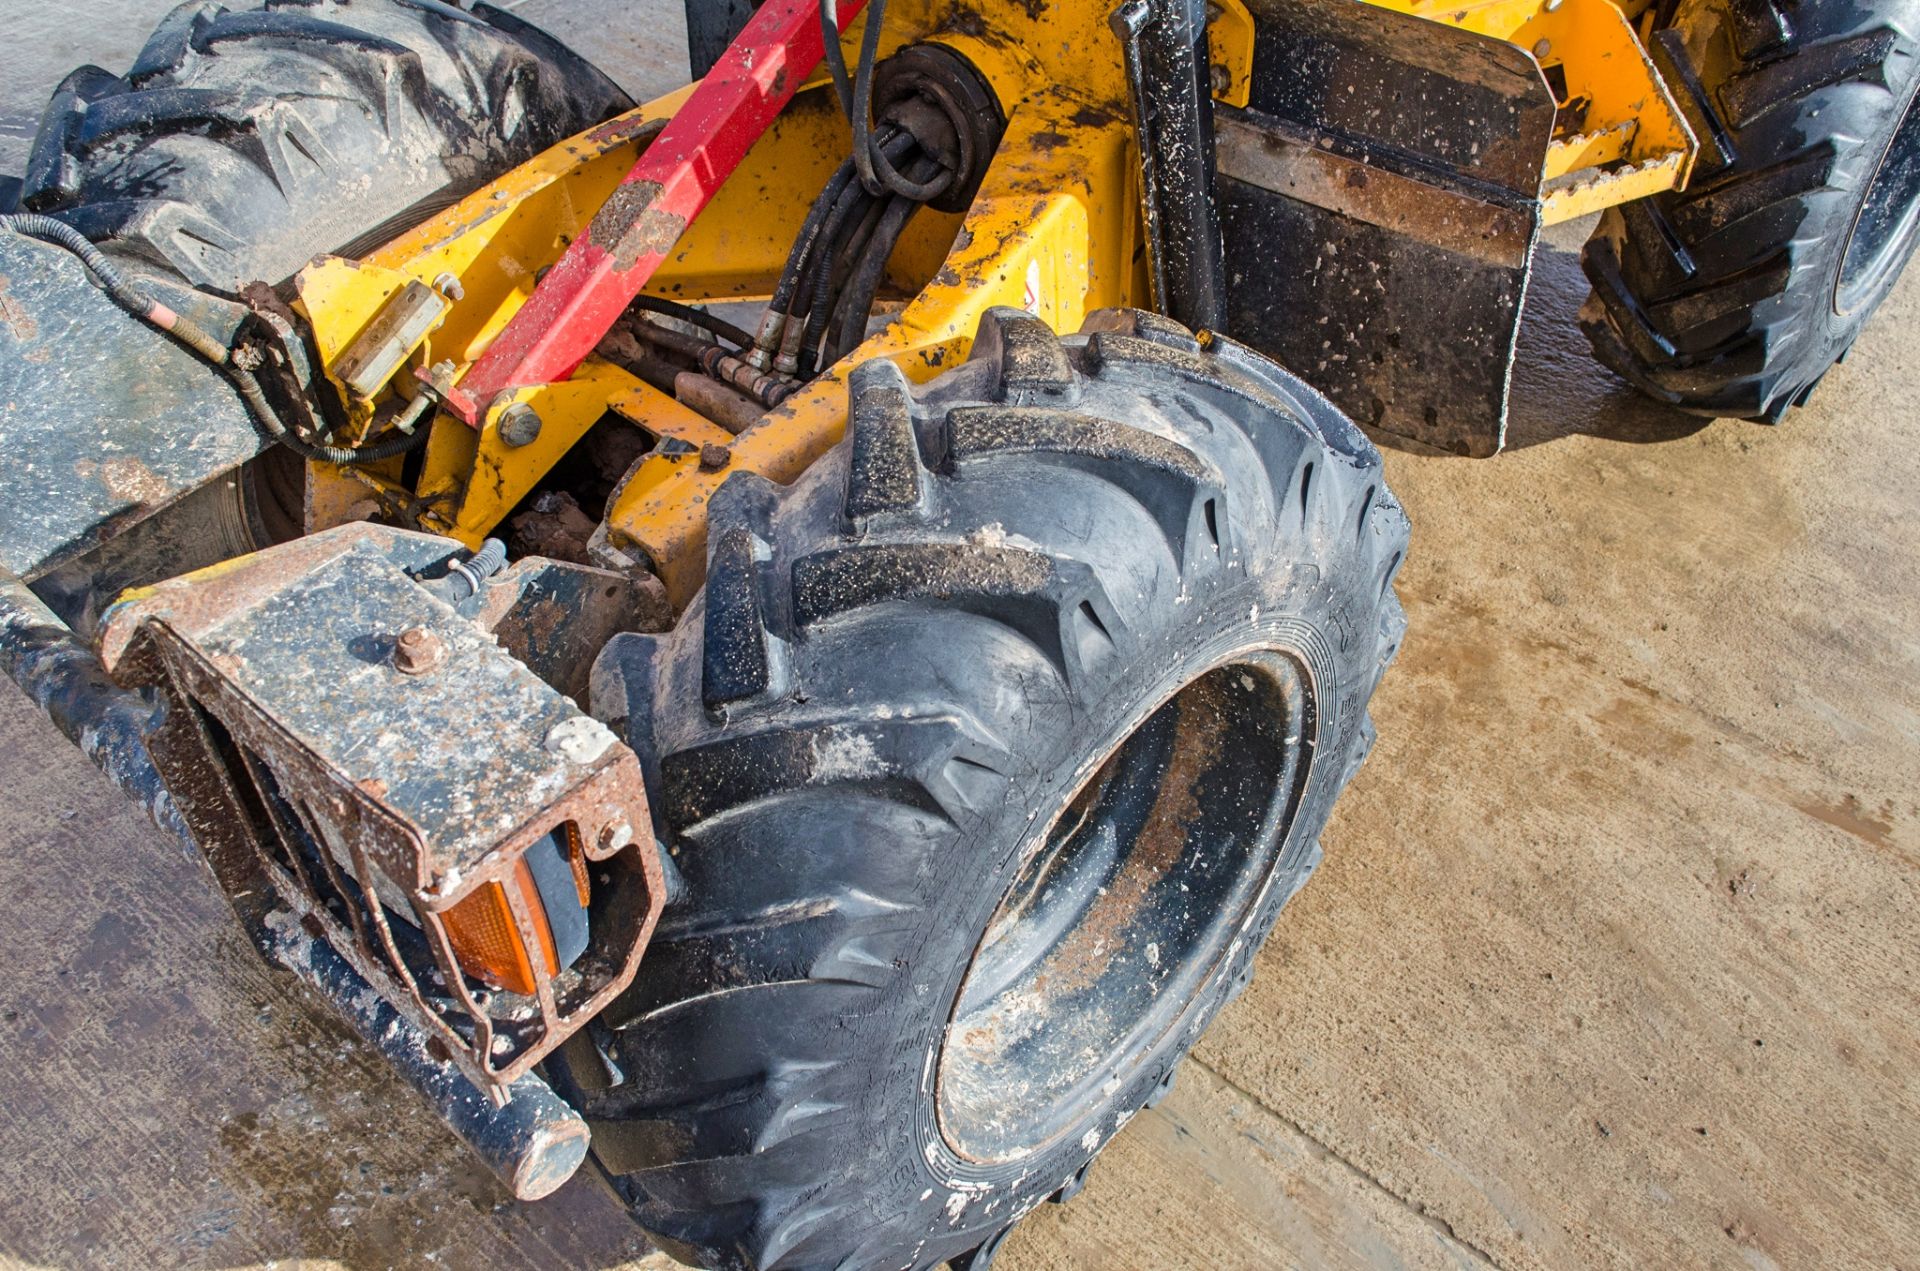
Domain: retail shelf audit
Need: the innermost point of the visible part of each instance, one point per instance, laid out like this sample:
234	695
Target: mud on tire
1735	296
987	759
243	141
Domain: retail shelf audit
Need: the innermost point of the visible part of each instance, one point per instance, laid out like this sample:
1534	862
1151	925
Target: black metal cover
1380	204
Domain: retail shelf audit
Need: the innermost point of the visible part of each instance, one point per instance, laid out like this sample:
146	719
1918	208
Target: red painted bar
586	291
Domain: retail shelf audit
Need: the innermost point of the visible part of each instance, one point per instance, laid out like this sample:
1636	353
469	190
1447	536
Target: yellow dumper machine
797	637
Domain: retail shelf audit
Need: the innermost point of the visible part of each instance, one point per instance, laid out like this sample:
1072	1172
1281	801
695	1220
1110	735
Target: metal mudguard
103	420
1380	199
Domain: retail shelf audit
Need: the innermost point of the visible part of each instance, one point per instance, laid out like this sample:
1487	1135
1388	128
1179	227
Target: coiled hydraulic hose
876	168
135	300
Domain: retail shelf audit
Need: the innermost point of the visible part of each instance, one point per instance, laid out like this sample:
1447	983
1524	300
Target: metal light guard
374	796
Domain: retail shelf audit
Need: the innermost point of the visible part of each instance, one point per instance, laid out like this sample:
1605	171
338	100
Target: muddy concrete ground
1612	961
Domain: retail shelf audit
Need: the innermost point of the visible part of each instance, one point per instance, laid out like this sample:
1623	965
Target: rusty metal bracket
382	758
534	1143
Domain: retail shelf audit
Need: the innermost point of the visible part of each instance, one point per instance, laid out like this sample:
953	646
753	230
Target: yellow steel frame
1055	229
1621	136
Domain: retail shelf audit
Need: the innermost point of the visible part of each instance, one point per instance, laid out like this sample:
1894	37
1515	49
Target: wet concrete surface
1612	961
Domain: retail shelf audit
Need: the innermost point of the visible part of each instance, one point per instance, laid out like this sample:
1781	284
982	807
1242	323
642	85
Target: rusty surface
629	225
417	651
1203	725
384	756
1276	158
555	617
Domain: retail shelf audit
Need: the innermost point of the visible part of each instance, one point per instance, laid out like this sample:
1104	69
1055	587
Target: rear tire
987	758
1735	296
245	141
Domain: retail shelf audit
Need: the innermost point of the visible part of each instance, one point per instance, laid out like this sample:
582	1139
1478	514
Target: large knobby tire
1735	296
245	141
987	758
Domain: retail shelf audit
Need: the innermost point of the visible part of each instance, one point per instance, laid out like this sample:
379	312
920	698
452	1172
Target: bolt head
519	425
417	651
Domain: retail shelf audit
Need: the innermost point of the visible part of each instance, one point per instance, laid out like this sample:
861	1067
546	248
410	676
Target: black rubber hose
837	60
137	301
698	317
876	168
816	280
829	280
864	286
399	443
816	270
809	232
856	307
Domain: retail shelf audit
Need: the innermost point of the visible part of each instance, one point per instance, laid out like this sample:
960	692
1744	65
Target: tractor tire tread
1716	299
816	807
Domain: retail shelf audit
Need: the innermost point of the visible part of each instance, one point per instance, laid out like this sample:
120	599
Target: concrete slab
1612	961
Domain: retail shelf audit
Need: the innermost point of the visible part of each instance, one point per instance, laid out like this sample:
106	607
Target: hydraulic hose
876	168
697	317
835	265
815	294
809	232
137	301
857	305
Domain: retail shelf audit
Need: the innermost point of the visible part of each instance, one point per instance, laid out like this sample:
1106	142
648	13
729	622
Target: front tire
987	758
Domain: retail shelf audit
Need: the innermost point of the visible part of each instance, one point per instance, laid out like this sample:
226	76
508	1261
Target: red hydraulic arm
586	291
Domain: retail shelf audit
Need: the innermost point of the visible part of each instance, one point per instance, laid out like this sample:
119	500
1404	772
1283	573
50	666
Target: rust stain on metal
1198	735
626	128
375	823
417	651
127	479
628	226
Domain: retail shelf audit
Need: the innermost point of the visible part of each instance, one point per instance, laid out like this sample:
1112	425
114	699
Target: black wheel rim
1883	232
1122	908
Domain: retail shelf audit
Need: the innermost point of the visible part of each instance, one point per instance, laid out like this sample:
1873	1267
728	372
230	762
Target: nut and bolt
1220	78
417	651
714	457
519	425
449	286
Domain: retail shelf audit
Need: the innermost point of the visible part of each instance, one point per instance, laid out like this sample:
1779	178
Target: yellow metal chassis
1056	229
